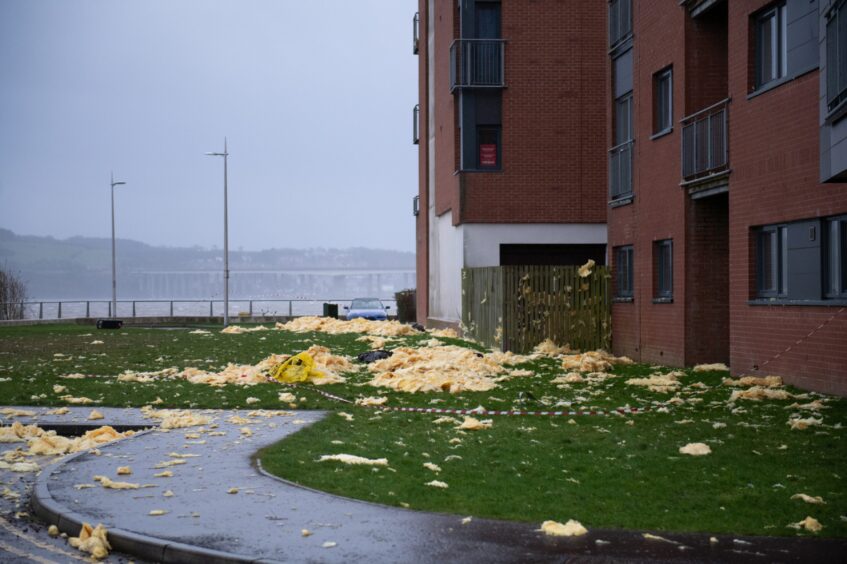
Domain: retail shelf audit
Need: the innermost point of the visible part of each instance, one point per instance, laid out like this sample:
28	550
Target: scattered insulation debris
816	500
585	270
593	361
371	401
658	382
570	529
474	424
175	418
548	348
695	449
798	424
94	415
437	484
238	329
715	367
757	393
809	523
766	381
112	485
338	326
123	471
92	540
430	466
353	459
76	400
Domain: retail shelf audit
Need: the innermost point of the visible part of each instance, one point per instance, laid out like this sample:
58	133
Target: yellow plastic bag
298	368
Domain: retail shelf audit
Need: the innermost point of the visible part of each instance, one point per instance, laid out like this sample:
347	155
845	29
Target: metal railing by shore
75	309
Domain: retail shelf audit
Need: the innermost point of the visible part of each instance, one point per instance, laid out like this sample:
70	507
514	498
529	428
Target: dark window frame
624	272
663	287
624	100
663	101
836	76
772	261
835	257
774	17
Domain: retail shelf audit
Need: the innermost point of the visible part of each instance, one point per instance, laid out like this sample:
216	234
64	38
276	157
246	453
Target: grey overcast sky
314	96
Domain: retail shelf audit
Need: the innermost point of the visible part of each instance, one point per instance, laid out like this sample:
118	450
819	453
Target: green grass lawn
604	471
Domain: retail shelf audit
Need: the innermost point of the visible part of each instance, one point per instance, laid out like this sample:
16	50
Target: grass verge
604	471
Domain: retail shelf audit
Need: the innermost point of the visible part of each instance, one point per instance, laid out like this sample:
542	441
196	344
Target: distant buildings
721	167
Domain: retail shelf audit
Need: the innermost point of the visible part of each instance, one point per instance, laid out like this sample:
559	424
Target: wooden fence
516	307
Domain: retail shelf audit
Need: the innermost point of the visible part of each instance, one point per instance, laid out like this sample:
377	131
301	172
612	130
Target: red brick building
511	129
728	201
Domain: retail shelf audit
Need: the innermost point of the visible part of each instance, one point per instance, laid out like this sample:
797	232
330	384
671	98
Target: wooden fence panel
517	307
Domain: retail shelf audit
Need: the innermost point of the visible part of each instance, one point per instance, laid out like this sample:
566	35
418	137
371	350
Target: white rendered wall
482	241
445	268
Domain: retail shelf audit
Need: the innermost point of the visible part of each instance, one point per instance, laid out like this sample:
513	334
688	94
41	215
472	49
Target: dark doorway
553	255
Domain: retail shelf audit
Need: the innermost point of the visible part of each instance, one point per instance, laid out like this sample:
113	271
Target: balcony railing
477	63
704	142
416	120
620	171
416	32
416	205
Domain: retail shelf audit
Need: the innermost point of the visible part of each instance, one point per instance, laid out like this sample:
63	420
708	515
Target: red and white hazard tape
479	412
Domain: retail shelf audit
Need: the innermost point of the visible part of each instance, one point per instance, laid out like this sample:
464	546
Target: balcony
416	32
416	120
705	154
416	205
477	63
620	173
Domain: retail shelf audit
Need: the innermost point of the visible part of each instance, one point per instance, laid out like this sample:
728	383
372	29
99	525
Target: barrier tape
478	412
799	341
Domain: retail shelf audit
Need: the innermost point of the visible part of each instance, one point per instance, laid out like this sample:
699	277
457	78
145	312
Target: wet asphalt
265	519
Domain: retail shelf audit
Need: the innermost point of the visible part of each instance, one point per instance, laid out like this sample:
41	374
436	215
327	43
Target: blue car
367	308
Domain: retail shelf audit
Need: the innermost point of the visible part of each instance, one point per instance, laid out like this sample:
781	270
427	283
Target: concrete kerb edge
143	546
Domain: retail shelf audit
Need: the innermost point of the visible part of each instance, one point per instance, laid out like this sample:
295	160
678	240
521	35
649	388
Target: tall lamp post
114	277
225	154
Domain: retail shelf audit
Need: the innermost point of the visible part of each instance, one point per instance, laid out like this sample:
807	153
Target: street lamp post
225	154
114	277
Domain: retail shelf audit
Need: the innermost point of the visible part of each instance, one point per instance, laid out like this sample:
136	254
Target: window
836	257
623	118
772	261
771	45
620	20
663	251
836	55
663	101
624	271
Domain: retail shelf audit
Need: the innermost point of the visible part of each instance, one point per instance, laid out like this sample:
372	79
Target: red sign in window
488	154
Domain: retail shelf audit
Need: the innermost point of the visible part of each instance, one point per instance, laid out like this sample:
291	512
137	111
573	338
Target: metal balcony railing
416	124
704	142
416	32
477	63
620	171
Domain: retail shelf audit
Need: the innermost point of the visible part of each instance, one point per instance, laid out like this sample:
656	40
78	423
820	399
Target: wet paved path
264	520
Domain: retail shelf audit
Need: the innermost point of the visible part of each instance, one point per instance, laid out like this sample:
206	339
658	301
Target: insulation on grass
569	378
816	500
548	348
757	393
354	460
237	329
92	540
815	405
799	424
440	369
474	424
338	326
76	400
809	523
766	381
376	343
695	449
658	382
437	484
371	401
431	466
287	397
593	361
572	528
717	366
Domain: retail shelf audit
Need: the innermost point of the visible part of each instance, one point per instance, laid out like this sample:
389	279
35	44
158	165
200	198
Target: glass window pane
765	50
767	261
842	48
782	42
832	60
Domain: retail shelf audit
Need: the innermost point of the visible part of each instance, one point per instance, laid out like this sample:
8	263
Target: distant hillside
80	267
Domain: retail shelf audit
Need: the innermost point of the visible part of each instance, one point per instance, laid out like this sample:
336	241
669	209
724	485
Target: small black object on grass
110	323
373	356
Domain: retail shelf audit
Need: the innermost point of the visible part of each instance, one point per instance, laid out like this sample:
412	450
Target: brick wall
553	138
774	143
